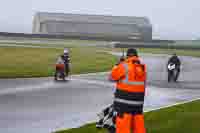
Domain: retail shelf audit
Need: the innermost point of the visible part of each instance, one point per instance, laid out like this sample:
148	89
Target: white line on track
171	105
151	110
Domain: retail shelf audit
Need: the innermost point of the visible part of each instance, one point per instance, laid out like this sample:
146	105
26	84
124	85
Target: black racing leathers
174	60
66	59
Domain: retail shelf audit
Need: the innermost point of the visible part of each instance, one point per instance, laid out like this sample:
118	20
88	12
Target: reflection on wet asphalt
42	105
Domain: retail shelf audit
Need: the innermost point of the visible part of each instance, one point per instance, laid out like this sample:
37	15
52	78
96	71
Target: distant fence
120	42
163	44
80	36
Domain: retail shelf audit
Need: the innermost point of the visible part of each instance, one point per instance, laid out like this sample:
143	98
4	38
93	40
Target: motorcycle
60	72
172	72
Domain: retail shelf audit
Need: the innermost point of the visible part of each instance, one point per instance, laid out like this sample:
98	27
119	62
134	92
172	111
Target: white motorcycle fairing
171	66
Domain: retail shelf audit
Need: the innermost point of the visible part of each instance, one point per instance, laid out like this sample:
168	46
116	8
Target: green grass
52	42
194	43
39	62
194	53
178	119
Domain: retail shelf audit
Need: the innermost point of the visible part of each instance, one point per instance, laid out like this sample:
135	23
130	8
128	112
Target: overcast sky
171	19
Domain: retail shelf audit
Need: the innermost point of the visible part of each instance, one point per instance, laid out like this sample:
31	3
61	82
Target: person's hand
120	60
110	78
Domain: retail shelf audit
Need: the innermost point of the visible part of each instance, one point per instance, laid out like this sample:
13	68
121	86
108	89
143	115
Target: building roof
45	16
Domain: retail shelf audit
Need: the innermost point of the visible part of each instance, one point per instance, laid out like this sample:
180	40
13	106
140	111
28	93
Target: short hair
132	52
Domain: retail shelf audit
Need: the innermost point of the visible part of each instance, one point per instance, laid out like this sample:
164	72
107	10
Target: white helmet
66	51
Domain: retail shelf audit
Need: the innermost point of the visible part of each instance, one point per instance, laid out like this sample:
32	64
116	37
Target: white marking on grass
171	105
28	46
162	107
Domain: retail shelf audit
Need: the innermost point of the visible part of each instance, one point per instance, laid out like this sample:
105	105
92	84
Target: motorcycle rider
174	60
60	68
66	59
62	63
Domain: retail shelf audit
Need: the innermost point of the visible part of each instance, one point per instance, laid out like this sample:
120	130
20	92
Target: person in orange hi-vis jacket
130	78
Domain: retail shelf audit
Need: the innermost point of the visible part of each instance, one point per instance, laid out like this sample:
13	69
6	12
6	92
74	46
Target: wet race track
43	105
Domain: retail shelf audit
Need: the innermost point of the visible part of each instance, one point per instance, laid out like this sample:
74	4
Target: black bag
107	119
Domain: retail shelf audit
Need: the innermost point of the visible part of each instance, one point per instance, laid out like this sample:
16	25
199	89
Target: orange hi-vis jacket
130	77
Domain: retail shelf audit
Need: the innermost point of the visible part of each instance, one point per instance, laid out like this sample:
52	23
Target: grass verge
194	53
39	62
183	118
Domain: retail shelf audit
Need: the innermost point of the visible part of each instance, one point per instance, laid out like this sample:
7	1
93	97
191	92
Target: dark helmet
131	52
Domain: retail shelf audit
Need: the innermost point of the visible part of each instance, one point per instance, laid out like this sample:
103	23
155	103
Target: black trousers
67	69
175	75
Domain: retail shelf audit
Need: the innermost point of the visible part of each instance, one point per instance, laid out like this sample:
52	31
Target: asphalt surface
43	105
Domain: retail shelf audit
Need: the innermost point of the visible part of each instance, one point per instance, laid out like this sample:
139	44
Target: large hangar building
138	28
